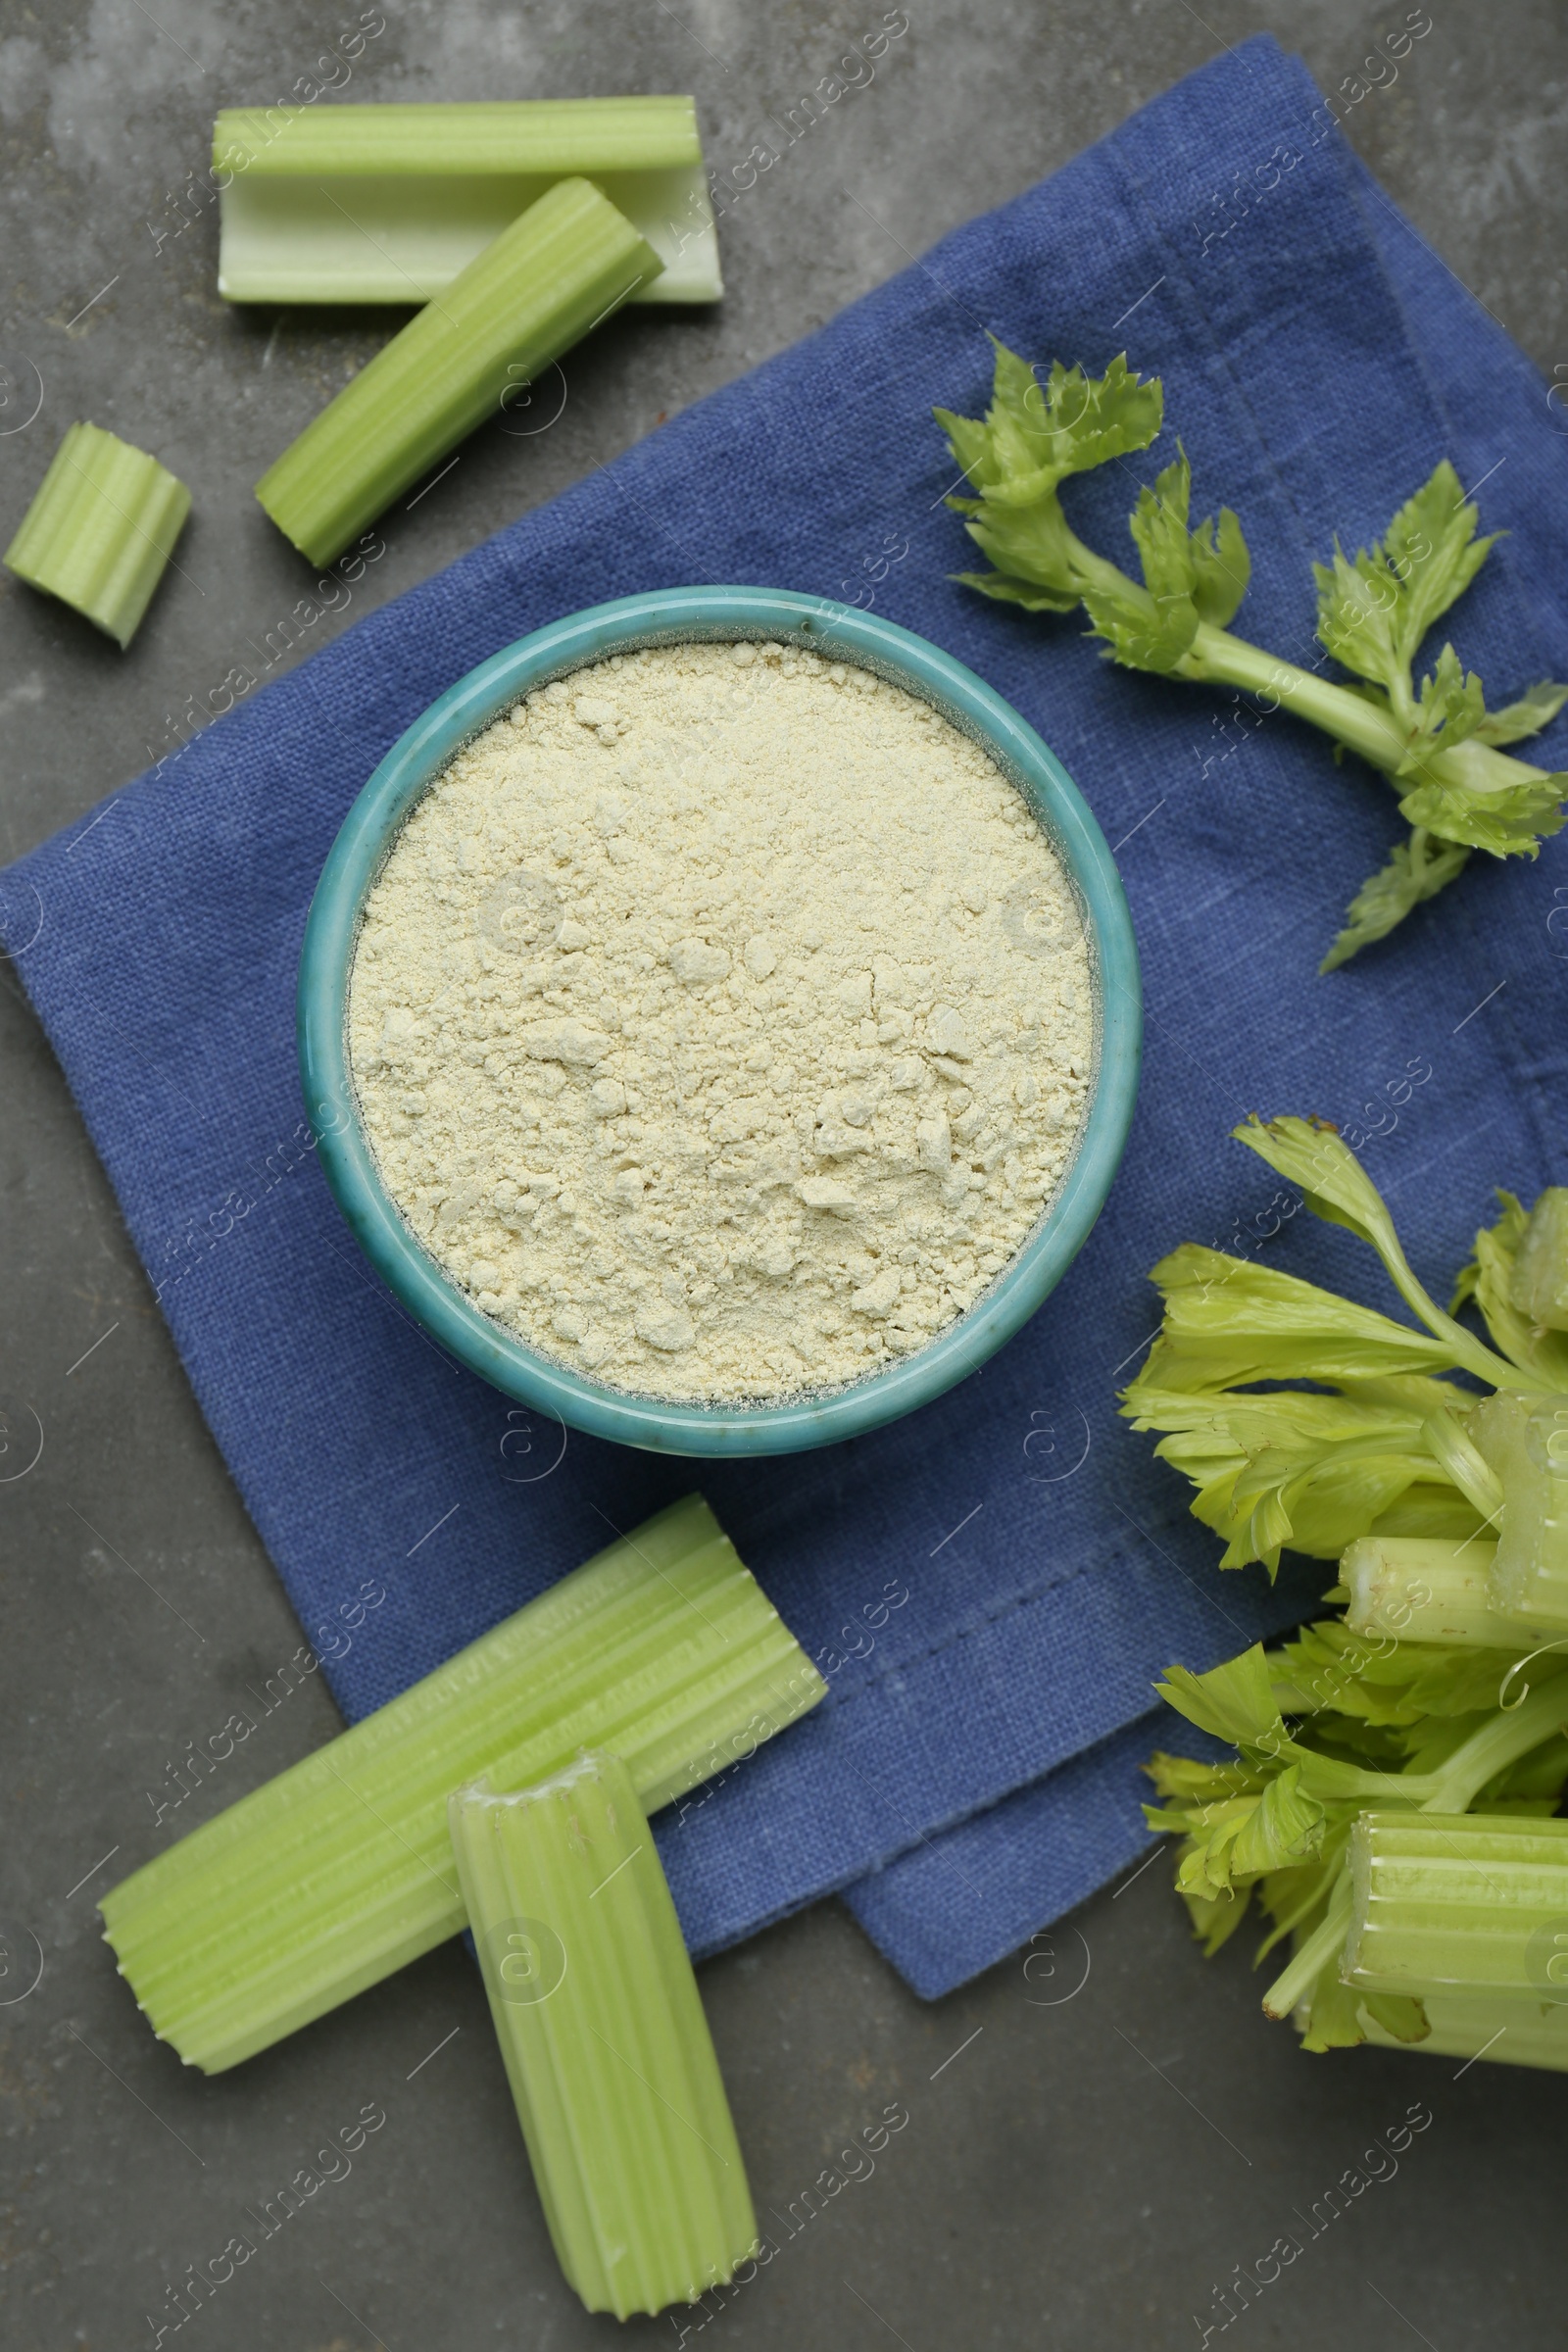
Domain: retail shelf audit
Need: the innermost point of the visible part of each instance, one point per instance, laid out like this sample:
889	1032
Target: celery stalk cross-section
606	2045
340	1870
559	269
101	529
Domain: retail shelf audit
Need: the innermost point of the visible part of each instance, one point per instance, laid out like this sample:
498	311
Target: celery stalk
1466	1902
537	289
1538	1286
1419	1588
100	529
340	1870
606	2045
388	204
1498	2028
1524	1439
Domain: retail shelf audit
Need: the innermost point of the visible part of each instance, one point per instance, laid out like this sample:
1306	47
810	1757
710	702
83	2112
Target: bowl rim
713	614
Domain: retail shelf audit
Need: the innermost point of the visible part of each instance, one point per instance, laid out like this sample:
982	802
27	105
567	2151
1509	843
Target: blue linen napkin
993	1584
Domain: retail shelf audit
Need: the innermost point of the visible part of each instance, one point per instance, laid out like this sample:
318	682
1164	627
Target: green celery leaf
1229	1321
1029	543
1486	1280
1008	591
1198	1784
1035	434
1040	434
1357	617
1374	611
1216	1918
1450	707
1291	1467
1505	818
1310	1153
970	444
1526	717
1432	552
1158	525
1285	1827
1221	568
1141	633
1233	1702
1417	869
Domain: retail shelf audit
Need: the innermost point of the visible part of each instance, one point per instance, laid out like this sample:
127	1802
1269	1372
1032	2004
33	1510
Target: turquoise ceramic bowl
717	615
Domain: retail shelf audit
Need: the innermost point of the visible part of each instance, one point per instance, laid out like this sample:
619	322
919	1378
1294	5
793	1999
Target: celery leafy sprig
1432	738
1378	1443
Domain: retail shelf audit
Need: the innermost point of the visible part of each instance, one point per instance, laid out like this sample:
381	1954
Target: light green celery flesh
612	2067
1459	1902
1418	1588
340	1871
1539	1284
532	293
101	529
388	204
1503	2031
1524	1439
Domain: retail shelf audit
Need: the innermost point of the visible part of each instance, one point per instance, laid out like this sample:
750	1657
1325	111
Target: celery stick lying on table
340	1870
606	2045
387	204
539	287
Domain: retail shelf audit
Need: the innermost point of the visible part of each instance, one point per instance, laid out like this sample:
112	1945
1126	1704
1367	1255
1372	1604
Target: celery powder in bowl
720	1025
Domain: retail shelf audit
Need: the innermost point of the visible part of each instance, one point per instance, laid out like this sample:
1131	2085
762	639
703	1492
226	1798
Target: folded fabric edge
1029	1860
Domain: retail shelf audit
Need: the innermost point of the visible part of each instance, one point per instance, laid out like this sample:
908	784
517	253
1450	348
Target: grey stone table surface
1104	2153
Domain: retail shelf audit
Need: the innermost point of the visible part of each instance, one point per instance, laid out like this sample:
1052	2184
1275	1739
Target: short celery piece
387	204
602	2029
1538	1284
1524	1441
1467	1902
1498	2028
340	1870
1422	1589
101	529
537	289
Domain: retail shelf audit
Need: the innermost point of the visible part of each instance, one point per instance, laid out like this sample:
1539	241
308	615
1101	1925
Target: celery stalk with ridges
100	530
387	203
340	1870
1459	1903
560	268
606	2045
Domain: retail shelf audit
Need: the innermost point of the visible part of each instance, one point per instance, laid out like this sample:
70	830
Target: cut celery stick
100	529
1419	1588
1525	1441
1539	1284
390	203
340	1870
547	278
1470	1902
1504	2031
606	2045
